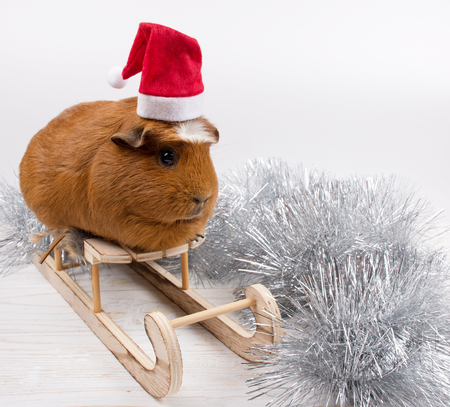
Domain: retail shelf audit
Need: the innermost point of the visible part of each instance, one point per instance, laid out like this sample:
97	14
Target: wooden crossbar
212	312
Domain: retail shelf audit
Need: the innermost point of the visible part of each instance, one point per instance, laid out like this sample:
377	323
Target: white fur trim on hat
170	109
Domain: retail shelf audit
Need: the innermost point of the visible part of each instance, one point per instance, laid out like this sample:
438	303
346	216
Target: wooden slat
140	257
105	252
174	251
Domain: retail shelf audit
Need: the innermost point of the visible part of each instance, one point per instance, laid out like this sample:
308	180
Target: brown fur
73	175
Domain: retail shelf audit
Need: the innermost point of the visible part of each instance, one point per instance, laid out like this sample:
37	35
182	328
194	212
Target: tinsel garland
271	216
368	332
364	295
363	290
17	224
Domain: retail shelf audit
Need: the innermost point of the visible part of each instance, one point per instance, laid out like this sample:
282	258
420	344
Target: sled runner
163	376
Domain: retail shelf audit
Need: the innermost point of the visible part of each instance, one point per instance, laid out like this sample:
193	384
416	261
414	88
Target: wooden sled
162	377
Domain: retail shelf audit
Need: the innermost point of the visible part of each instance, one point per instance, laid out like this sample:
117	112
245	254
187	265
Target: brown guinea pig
99	167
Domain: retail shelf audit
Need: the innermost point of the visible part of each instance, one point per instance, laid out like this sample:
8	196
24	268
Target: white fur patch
194	131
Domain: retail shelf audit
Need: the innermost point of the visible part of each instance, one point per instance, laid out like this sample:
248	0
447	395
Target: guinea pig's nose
199	200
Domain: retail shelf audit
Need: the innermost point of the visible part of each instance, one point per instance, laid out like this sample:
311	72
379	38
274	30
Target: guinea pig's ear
134	139
212	130
216	134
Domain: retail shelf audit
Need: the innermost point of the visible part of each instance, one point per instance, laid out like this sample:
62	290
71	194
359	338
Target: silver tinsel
363	292
371	330
271	219
17	224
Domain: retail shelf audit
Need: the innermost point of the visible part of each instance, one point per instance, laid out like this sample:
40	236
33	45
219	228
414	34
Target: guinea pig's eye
168	157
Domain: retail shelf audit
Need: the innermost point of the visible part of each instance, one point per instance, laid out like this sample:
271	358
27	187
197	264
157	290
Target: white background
350	87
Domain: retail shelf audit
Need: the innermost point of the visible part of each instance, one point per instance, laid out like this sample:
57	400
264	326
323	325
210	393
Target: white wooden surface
49	357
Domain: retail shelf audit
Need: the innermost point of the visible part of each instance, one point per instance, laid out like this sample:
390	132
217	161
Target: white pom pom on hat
115	79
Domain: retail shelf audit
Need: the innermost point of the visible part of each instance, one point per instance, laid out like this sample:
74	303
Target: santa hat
171	83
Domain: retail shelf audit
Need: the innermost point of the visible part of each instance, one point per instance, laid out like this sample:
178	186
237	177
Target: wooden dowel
51	248
96	288
213	312
58	258
184	271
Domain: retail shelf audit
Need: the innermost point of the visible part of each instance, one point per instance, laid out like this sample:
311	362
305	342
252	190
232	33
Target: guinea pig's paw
197	241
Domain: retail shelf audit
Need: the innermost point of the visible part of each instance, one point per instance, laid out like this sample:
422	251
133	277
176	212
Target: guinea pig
148	185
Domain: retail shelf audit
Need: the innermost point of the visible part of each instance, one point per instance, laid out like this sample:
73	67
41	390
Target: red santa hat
171	86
